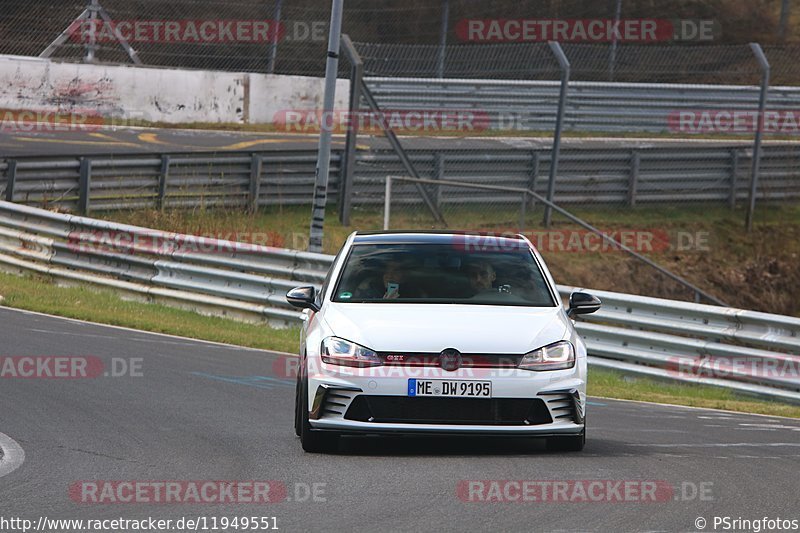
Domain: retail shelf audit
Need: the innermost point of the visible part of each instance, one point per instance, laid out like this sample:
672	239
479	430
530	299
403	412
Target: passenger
481	275
530	286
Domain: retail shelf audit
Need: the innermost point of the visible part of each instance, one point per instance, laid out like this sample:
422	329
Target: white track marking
722	445
188	340
13	455
716	411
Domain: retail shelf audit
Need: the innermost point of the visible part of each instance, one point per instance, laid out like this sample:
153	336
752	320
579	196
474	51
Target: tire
298	420
567	443
313	441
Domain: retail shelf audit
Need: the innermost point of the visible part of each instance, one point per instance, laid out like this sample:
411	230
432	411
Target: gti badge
450	359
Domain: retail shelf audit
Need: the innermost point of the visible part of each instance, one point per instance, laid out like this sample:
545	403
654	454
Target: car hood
430	328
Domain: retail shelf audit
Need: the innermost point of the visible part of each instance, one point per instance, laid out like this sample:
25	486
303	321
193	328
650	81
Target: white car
440	333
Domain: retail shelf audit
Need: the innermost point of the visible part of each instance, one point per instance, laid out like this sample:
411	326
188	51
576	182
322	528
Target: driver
390	285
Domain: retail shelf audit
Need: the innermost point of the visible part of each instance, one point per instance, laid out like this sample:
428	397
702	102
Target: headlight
338	351
556	356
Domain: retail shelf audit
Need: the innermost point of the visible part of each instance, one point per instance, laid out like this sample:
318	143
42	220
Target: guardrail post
533	176
11	179
163	176
348	161
256	164
633	182
562	103
762	104
734	174
84	185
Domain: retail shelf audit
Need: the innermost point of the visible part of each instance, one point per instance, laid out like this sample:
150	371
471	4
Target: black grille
402	409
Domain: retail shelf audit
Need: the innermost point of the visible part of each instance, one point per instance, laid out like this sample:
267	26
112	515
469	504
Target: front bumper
375	401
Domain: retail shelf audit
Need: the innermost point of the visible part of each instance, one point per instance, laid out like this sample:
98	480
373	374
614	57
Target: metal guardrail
133	181
716	172
591	106
205	274
745	351
593	176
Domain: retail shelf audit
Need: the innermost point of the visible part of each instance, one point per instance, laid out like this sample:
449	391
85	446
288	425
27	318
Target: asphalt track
201	411
41	141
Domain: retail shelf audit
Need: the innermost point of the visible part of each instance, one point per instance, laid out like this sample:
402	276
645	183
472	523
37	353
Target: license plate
450	388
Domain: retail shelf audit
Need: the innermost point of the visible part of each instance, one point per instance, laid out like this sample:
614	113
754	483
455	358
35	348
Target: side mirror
303	298
582	303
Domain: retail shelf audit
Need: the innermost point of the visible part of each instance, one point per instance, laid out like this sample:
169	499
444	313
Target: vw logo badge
450	359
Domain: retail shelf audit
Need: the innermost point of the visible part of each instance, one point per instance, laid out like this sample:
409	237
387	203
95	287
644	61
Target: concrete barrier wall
156	94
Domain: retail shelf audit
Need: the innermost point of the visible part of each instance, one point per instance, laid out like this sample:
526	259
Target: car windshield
442	273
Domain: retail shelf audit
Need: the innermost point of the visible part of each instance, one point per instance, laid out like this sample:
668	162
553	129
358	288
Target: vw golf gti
440	333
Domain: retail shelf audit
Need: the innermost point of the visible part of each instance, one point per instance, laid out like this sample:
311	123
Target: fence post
387	203
317	227
348	161
163	176
762	104
783	20
612	59
255	182
633	182
734	174
533	176
273	51
11	179
84	184
443	37
562	102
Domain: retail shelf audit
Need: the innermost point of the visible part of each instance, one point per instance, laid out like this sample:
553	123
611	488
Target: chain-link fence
289	36
652	151
671	127
649	122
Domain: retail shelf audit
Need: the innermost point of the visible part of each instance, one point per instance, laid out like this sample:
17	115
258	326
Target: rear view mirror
582	303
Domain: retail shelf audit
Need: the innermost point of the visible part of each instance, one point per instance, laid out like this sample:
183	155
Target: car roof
433	237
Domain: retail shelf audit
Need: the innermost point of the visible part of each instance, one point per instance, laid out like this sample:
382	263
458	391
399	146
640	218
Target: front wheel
567	443
298	404
313	441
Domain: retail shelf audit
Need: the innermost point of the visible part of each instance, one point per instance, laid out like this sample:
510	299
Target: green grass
39	293
291	222
610	384
751	271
